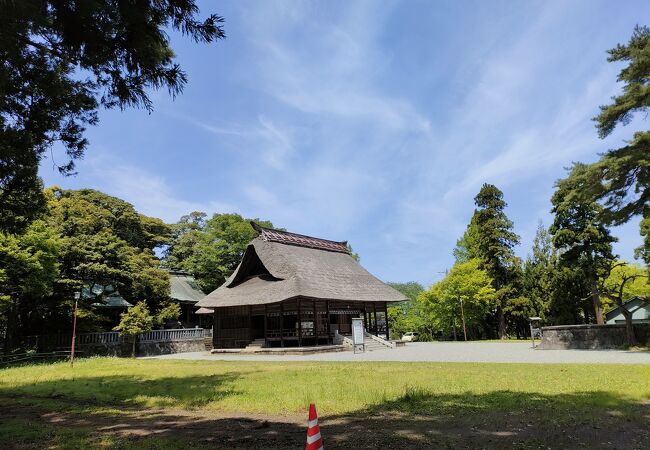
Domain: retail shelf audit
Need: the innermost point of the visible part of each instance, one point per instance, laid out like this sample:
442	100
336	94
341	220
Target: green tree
186	234
631	277
212	251
620	180
467	246
494	242
62	61
409	315
467	286
135	321
28	269
169	312
570	301
105	241
583	241
624	282
538	272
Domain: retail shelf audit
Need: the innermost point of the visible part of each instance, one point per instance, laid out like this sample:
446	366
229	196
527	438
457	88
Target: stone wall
165	348
142	348
591	336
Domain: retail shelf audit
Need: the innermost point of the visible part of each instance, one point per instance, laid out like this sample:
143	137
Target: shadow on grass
122	390
418	419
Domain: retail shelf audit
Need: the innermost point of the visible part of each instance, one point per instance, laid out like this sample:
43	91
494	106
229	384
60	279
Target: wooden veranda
294	323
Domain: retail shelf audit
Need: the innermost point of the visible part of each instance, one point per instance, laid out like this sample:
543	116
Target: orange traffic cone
314	441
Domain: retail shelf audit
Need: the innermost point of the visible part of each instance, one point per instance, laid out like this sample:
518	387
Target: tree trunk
11	330
629	326
598	307
133	349
502	322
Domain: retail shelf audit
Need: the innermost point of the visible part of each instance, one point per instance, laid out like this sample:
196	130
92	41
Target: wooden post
299	326
265	323
74	327
315	323
250	321
214	328
386	318
462	314
374	313
281	324
329	325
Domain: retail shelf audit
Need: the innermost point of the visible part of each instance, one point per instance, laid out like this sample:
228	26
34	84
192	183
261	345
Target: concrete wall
591	336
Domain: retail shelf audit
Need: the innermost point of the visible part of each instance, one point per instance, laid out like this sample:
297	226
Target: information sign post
358	335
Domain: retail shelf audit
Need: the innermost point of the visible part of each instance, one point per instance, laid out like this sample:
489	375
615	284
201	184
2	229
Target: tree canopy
104	240
493	243
466	284
620	179
62	61
86	241
210	249
135	321
409	316
29	267
582	239
538	273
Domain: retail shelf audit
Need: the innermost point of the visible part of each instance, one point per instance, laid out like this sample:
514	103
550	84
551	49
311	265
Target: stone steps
208	343
254	345
372	345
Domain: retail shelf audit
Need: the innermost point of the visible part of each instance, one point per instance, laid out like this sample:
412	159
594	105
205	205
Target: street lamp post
462	314
77	295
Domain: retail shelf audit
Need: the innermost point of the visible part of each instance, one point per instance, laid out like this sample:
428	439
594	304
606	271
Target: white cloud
151	194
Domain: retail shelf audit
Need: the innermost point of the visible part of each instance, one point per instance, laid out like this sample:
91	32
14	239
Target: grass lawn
124	403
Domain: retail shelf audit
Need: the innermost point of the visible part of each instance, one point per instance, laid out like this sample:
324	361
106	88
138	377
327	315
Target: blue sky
372	122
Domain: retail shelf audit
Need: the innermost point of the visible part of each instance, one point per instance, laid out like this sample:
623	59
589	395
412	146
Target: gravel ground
507	352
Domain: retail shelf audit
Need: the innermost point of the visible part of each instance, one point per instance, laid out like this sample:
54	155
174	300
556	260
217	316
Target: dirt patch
390	430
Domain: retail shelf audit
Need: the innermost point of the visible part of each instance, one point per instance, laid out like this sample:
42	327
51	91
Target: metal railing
18	358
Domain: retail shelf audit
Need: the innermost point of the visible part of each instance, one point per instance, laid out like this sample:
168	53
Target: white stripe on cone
314	438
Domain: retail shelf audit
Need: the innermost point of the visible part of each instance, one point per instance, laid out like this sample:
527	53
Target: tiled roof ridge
300	240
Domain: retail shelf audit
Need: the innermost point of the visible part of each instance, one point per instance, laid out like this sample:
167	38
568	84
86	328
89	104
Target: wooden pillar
250	323
266	309
315	323
329	325
299	326
386	318
281	324
214	328
374	325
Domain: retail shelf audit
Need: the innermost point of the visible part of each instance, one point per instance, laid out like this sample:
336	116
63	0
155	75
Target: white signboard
357	331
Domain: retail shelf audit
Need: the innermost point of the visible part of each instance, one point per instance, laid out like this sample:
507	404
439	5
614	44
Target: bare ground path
363	430
488	352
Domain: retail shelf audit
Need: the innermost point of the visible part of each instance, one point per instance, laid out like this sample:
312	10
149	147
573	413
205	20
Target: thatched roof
204	311
184	288
279	265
